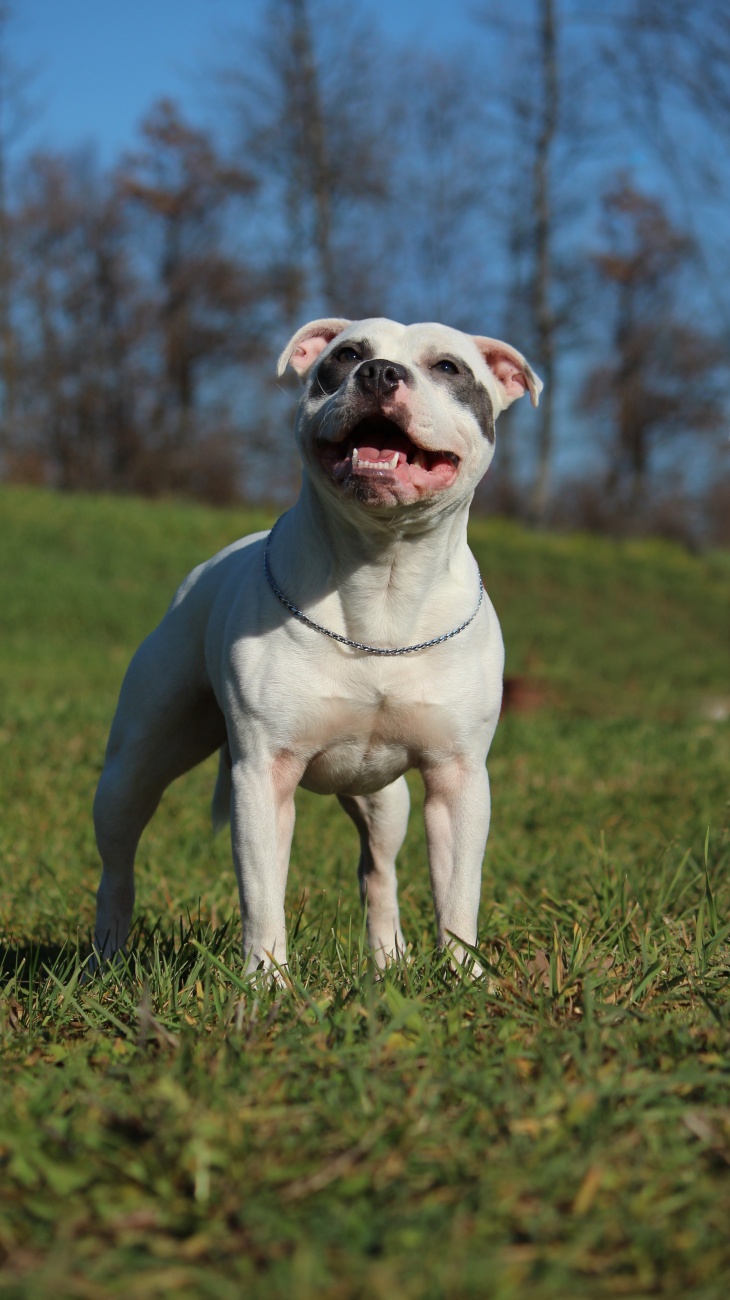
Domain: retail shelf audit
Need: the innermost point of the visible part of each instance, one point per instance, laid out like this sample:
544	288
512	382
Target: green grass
561	1129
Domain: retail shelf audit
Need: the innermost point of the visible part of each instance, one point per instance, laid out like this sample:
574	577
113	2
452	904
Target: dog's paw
464	963
97	963
396	955
266	972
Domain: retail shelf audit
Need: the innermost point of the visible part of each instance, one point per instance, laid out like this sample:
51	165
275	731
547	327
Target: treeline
560	181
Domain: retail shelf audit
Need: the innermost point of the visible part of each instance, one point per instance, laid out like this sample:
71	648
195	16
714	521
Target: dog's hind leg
382	821
165	724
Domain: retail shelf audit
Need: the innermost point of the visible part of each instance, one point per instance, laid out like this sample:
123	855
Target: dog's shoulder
207	577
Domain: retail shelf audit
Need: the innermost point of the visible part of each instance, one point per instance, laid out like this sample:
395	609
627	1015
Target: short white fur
229	669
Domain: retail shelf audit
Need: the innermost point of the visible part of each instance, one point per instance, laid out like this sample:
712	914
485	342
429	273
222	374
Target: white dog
350	644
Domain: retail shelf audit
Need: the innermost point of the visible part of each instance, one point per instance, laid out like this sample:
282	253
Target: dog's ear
304	347
513	373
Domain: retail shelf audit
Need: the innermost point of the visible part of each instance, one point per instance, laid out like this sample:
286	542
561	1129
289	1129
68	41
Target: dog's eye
447	367
347	354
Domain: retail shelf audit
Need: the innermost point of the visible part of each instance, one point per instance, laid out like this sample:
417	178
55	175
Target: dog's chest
338	722
369	724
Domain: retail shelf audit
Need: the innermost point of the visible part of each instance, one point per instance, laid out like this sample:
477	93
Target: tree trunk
316	146
542	285
7	339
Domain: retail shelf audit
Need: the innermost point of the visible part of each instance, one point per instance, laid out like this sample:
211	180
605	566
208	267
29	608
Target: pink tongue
374	453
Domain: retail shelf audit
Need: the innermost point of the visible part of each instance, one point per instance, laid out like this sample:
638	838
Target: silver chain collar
345	640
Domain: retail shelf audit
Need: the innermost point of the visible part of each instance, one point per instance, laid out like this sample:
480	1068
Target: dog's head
399	415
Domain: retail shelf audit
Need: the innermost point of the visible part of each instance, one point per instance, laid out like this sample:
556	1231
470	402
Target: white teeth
419	459
357	461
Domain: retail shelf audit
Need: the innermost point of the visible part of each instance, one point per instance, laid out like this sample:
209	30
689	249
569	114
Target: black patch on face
467	389
331	373
364	490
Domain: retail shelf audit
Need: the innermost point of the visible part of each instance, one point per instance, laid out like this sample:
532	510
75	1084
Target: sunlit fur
385	563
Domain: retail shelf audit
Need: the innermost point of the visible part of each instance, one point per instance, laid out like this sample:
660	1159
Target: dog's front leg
262	824
456	813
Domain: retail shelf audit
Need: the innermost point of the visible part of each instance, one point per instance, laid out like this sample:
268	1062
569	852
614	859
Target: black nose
380	376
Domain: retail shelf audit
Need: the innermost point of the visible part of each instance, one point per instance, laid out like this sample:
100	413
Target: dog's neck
383	581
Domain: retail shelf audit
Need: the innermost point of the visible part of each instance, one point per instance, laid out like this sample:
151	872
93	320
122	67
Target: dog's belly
346	768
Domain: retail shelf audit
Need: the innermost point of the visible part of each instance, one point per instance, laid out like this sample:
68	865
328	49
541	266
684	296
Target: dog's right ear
304	347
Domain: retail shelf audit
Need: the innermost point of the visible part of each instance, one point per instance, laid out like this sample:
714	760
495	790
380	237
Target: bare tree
313	175
582	89
16	112
77	388
668	64
202	294
439	219
310	117
661	380
540	93
544	238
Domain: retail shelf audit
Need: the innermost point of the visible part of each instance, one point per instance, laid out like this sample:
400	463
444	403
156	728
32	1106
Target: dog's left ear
304	347
513	373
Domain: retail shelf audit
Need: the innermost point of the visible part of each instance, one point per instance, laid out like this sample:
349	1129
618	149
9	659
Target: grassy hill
560	1129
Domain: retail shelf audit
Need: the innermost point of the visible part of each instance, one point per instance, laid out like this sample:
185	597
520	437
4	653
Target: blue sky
101	63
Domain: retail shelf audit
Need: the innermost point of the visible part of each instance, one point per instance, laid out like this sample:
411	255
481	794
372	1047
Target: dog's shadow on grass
23	960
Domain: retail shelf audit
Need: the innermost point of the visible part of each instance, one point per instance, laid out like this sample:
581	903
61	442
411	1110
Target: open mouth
377	448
